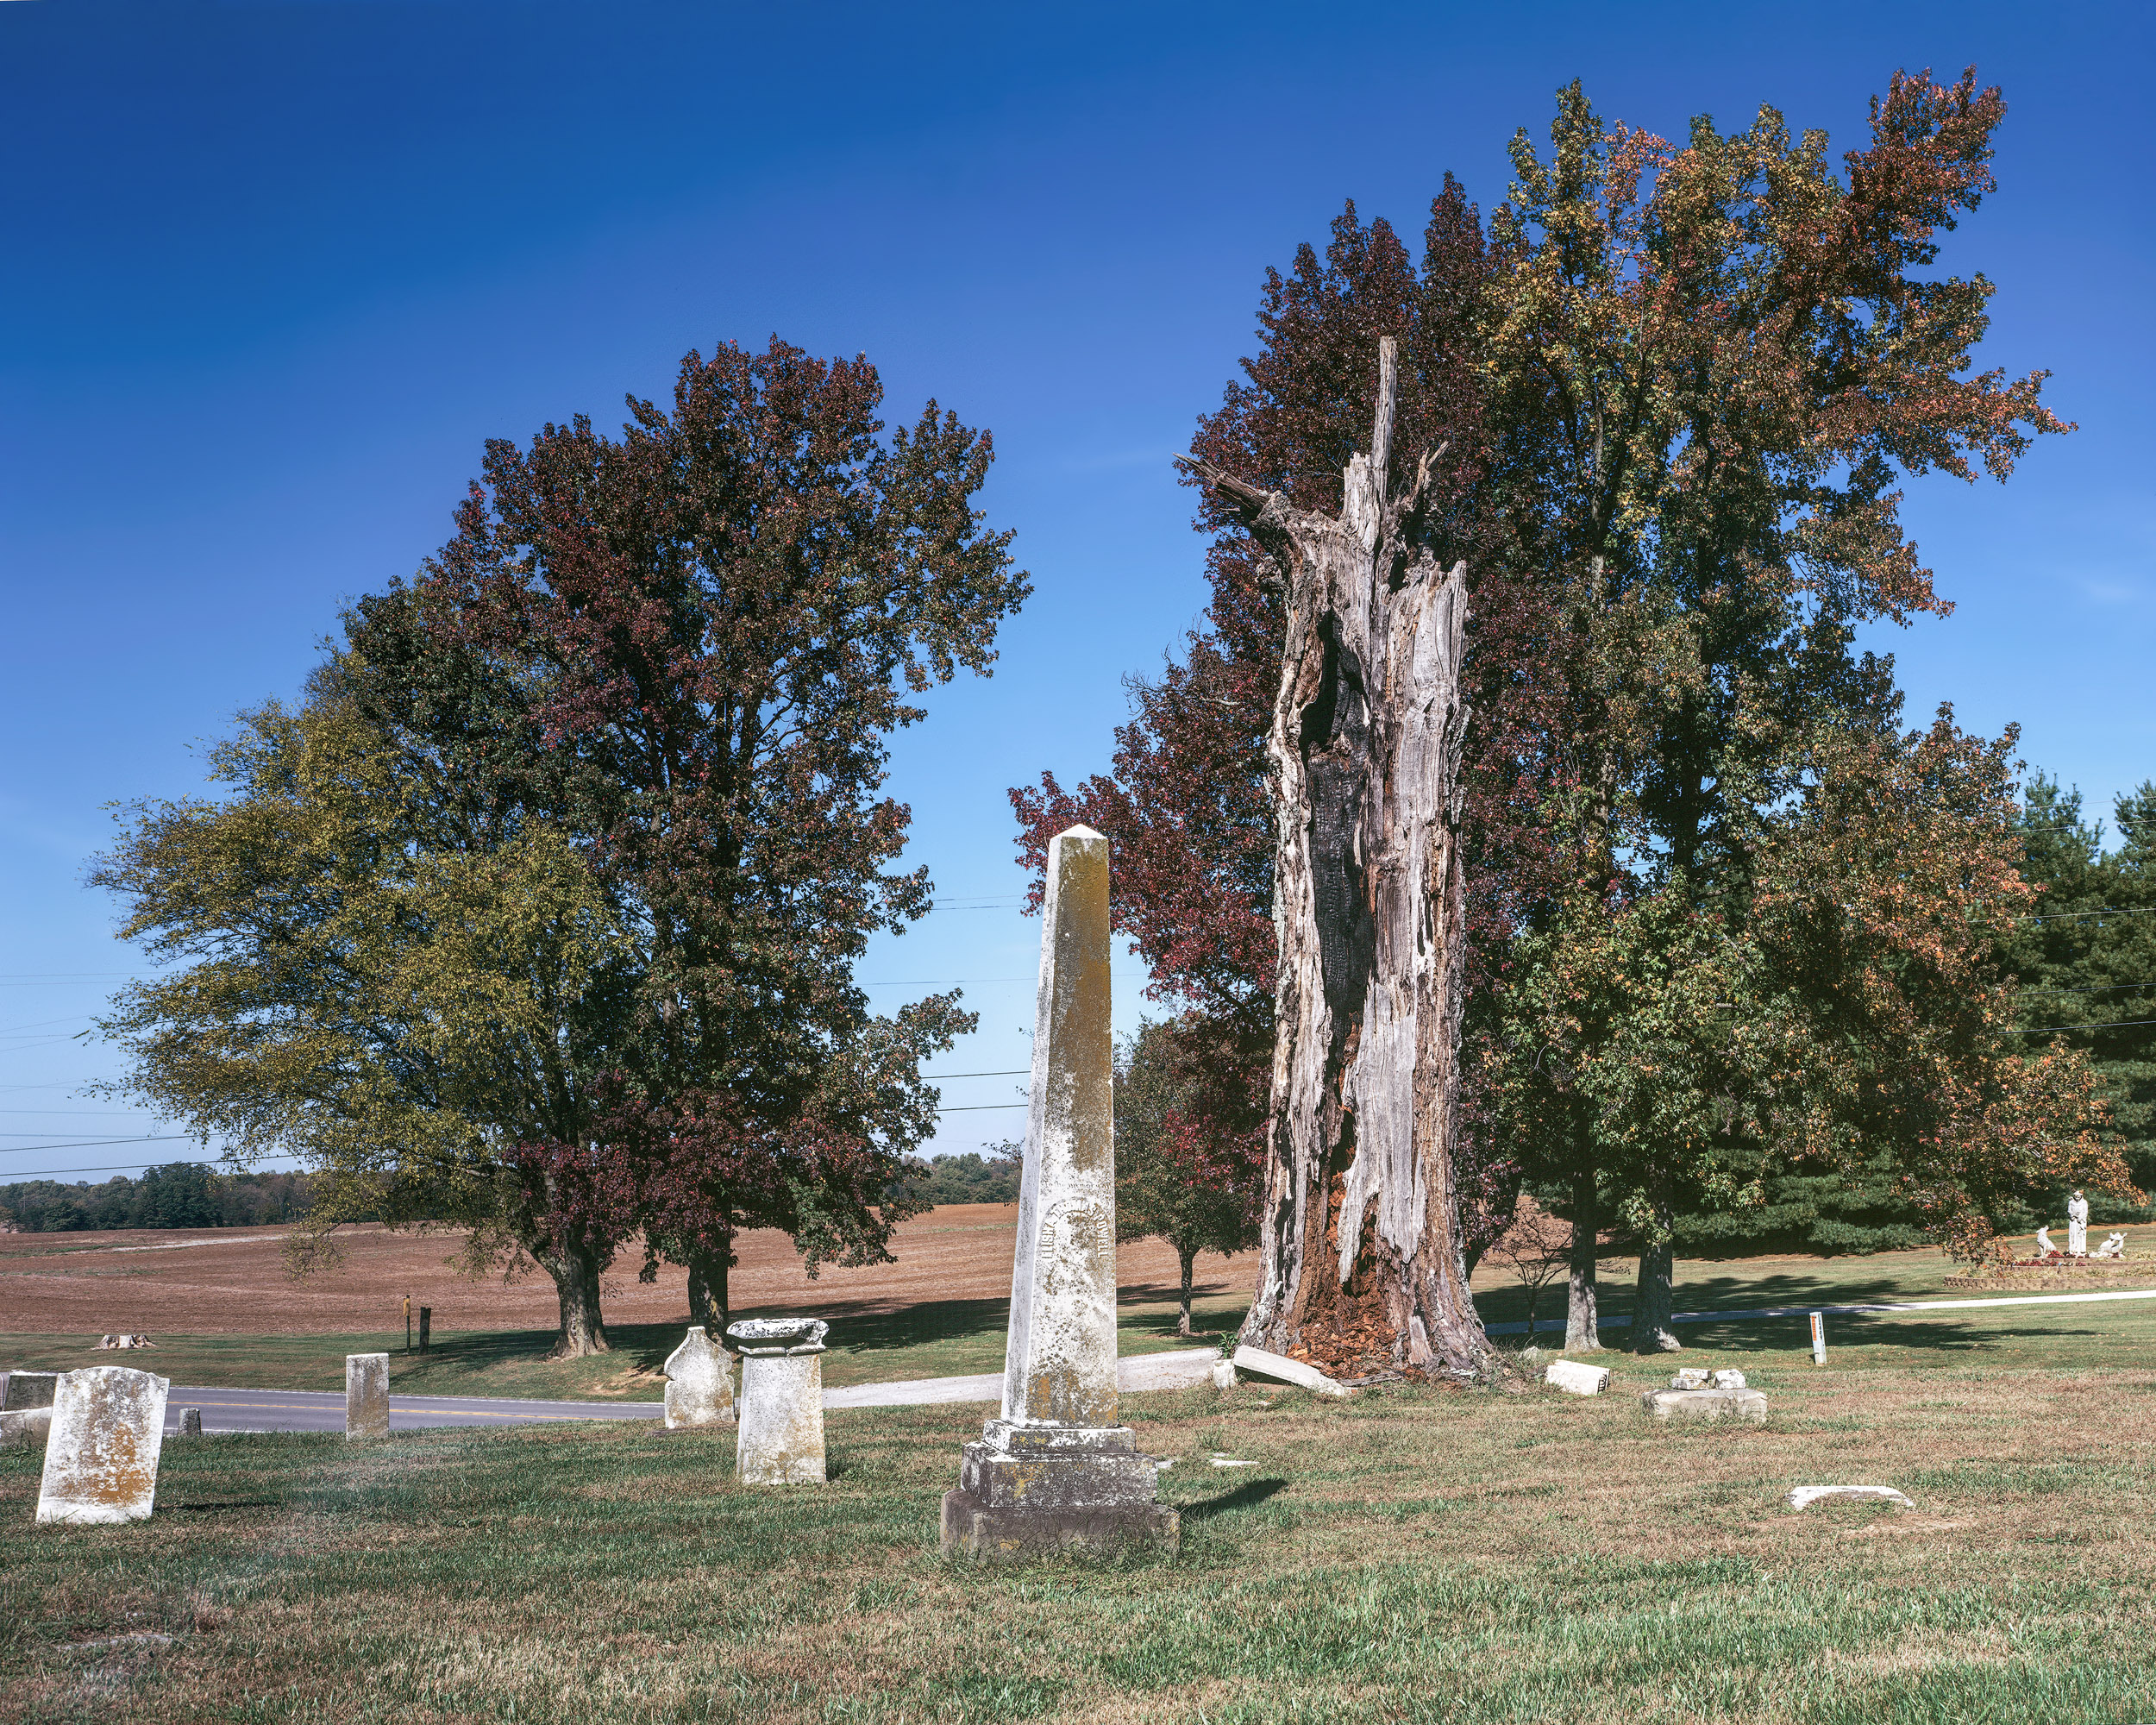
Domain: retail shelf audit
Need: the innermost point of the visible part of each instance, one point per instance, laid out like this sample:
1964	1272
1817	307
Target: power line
94	1142
2083	916
1015	1072
2113	1024
983	1107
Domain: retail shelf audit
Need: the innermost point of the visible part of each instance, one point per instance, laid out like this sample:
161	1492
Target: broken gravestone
781	1440
101	1460
699	1382
366	1395
1057	1468
1259	1363
1578	1378
190	1424
1803	1497
29	1390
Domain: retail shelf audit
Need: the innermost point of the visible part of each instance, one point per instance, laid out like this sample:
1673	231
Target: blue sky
274	271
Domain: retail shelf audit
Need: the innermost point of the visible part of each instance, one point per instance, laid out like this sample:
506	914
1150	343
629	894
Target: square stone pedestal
1024	1488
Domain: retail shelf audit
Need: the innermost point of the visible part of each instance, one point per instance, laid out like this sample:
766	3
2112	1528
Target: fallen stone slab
1803	1497
1260	1364
25	1428
1706	1404
1576	1377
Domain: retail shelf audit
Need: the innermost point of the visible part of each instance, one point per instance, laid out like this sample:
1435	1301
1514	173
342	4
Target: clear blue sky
274	271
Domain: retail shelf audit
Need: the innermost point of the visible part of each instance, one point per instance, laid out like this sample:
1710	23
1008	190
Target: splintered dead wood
76	1281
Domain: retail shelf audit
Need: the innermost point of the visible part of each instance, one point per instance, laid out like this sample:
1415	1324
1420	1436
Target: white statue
2113	1247
2044	1247
2076	1226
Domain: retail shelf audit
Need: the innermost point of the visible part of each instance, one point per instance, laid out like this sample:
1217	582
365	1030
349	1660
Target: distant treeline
177	1194
969	1179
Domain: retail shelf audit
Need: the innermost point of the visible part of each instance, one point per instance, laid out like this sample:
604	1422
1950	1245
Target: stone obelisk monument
1055	1468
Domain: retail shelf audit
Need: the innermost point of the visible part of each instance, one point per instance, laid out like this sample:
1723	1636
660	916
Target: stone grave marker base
1027	1488
1706	1404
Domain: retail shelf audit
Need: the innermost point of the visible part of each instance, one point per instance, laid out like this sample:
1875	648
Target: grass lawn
1415	1555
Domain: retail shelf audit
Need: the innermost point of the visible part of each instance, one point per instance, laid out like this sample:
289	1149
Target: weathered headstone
101	1460
30	1389
1055	1468
700	1382
781	1440
426	1327
189	1423
366	1395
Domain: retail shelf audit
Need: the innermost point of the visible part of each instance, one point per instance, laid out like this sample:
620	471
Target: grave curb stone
1750	1405
25	1428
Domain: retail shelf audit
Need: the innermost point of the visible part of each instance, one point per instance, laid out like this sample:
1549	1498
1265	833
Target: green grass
1415	1555
943	1339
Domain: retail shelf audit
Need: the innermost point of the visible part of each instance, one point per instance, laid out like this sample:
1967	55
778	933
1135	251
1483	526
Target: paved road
1620	1323
306	1410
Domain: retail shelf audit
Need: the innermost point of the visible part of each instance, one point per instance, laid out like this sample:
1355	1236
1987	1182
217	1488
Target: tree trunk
575	1275
1582	1322
1651	1331
1361	1246
707	1292
1189	1256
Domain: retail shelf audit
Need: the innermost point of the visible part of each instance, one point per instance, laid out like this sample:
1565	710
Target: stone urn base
1027	1488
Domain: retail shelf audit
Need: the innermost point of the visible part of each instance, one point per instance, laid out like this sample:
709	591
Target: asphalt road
307	1410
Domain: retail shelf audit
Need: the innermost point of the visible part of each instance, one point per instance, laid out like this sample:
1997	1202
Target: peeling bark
1361	1248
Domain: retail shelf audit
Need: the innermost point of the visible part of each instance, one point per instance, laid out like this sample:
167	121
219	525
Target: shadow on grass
1247	1495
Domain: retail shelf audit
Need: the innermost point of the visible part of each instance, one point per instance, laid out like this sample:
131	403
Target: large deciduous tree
410	986
722	615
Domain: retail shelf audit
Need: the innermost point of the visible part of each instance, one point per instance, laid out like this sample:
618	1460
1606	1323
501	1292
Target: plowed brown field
211	1281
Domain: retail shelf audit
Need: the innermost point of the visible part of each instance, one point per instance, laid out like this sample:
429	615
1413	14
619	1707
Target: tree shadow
1246	1496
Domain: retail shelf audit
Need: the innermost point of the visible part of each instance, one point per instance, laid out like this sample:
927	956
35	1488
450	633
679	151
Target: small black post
426	1322
407	1323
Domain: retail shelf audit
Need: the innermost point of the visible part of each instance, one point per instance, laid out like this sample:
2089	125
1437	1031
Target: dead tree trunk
1360	1248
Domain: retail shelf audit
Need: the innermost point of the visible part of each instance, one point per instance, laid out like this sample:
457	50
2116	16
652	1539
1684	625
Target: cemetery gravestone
30	1389
1055	1468
26	1409
366	1395
190	1422
781	1440
700	1384
101	1461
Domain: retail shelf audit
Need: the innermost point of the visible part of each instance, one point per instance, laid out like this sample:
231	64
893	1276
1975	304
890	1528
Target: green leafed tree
2085	957
1170	1183
407	985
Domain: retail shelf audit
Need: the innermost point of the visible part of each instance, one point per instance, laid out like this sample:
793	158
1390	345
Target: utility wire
2112	1023
983	1107
1015	1072
111	1167
96	1143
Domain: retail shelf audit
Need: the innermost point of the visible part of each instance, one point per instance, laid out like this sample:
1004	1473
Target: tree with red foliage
717	619
1679	387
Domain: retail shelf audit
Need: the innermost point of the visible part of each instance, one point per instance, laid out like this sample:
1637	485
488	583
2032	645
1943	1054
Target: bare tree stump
1361	1250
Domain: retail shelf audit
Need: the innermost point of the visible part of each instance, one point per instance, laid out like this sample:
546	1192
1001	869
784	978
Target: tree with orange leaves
1710	368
